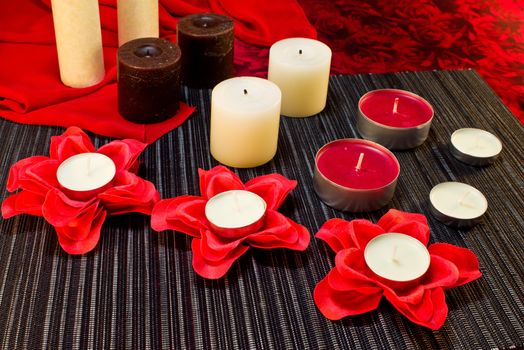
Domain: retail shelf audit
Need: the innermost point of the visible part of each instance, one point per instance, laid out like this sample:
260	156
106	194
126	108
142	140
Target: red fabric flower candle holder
353	288
76	187
229	217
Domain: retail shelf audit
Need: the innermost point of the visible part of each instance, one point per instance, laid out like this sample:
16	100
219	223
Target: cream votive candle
457	204
235	213
397	258
245	117
300	68
475	146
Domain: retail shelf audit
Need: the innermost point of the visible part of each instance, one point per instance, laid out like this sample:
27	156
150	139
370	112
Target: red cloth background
29	78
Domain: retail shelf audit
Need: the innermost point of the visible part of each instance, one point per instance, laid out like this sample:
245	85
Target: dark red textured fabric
381	36
29	78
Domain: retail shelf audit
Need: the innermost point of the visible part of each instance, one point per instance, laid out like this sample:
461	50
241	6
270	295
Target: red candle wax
338	162
411	110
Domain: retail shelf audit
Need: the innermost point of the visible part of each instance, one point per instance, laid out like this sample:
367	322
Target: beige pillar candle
245	117
300	68
78	42
137	19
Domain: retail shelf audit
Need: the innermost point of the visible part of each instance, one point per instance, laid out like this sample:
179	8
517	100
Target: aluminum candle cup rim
419	126
427	255
374	144
471	158
453	215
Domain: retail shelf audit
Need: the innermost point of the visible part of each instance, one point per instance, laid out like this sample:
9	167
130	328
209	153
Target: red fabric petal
124	153
415	225
215	248
351	265
73	141
89	237
280	232
336	304
217	180
185	214
441	273
59	210
22	203
340	234
272	188
214	269
130	193
464	259
19	176
430	310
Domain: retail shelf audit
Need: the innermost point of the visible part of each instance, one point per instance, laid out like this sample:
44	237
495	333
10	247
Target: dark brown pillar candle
206	41
148	80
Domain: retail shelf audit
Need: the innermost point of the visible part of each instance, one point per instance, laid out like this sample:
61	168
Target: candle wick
359	162
245	92
395	105
461	201
237	203
89	170
300	52
394	255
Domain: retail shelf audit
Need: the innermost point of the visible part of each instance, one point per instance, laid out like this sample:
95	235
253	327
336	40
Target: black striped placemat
137	289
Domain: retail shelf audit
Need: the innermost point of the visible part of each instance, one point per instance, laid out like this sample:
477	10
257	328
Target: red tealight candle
355	175
394	118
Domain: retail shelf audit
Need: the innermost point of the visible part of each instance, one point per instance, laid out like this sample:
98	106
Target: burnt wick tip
300	51
245	92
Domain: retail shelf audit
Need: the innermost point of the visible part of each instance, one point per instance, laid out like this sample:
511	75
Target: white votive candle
86	172
457	204
235	210
300	67
78	42
245	117
397	257
475	146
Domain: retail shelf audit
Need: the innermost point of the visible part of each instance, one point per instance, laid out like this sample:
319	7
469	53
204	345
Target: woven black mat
137	289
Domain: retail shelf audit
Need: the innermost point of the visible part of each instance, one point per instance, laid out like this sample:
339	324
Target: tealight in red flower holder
390	259
76	187
229	217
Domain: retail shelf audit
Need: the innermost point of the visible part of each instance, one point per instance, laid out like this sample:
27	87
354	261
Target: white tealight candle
457	204
475	146
300	67
235	209
245	117
86	172
397	257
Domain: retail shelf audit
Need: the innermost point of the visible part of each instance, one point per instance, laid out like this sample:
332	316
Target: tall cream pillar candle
78	41
245	117
137	19
300	68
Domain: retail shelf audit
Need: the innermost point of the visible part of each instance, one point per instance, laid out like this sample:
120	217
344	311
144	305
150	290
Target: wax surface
412	110
458	200
86	171
476	142
397	257
338	160
235	209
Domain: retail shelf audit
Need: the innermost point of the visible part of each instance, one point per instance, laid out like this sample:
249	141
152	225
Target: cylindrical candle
206	41
83	175
235	213
78	42
300	68
400	260
457	204
148	80
475	146
245	117
137	19
355	175
396	119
